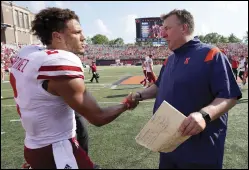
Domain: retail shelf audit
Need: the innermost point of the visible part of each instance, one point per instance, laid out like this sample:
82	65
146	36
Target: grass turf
113	146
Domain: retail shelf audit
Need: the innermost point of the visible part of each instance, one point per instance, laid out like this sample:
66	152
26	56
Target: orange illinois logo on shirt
186	60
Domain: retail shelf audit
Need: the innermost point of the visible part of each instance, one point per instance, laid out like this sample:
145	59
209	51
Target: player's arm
74	92
66	79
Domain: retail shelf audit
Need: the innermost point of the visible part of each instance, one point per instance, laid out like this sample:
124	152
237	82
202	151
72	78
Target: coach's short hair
184	16
50	20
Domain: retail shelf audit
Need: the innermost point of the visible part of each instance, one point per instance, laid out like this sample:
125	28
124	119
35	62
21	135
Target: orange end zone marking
133	80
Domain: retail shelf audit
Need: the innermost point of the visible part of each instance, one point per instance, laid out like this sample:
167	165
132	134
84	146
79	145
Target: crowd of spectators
125	52
234	49
106	52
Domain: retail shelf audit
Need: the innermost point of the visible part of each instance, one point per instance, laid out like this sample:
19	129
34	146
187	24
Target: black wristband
205	116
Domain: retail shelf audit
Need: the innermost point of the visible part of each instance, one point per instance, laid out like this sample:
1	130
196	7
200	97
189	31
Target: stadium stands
106	52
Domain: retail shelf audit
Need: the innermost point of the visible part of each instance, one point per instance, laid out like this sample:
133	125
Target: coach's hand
192	125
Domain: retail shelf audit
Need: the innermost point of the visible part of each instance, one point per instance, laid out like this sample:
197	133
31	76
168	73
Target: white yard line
7	90
11	105
2	133
15	120
113	87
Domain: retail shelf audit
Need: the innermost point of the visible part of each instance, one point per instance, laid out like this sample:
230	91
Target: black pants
241	75
94	77
235	72
81	131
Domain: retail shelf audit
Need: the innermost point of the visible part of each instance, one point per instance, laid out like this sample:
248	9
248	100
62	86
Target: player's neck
55	47
50	47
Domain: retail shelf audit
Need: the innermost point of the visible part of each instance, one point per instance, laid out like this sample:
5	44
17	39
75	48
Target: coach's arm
150	92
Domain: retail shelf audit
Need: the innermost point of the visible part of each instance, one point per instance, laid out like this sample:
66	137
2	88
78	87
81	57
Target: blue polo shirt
189	80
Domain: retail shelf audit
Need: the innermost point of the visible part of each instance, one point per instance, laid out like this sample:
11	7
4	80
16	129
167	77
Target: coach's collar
185	47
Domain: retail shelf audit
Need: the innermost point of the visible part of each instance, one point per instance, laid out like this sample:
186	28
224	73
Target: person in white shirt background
2	72
242	66
144	67
150	73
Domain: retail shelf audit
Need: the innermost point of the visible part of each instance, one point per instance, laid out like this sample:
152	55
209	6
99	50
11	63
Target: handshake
132	100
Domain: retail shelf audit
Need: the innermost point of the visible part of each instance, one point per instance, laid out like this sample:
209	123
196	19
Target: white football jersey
46	118
149	62
242	64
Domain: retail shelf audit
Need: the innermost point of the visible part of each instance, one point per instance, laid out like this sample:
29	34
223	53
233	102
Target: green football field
113	146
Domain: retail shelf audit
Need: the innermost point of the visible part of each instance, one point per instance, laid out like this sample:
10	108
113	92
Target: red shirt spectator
94	67
235	64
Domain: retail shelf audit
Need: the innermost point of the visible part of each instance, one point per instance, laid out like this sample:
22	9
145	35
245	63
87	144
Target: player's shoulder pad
61	64
27	50
62	57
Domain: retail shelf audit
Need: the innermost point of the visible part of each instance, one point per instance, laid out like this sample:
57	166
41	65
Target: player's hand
193	124
130	103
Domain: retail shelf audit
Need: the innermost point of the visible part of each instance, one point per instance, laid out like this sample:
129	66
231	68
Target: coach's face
73	38
173	32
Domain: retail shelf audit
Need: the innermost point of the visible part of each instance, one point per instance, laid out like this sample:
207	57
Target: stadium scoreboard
149	29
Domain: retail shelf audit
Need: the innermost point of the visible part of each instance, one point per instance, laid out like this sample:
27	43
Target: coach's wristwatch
205	116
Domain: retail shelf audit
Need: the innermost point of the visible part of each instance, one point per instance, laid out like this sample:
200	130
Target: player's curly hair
184	16
50	20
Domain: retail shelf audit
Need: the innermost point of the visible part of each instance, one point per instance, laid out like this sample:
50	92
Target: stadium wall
127	61
19	21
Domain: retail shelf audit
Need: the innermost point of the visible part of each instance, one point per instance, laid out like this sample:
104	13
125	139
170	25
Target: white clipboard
161	134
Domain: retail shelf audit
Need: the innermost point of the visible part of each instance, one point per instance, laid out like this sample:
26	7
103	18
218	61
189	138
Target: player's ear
57	36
